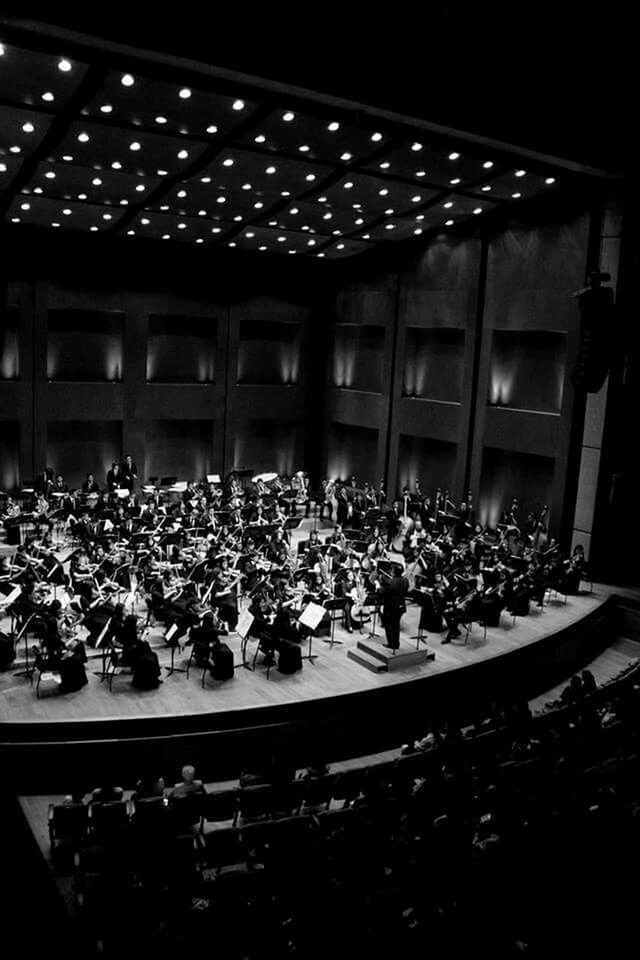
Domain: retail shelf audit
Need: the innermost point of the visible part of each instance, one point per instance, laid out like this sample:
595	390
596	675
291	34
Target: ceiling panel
63	214
165	226
38	79
21	131
72	182
516	184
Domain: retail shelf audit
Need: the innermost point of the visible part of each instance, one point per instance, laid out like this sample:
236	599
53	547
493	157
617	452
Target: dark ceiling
552	76
109	144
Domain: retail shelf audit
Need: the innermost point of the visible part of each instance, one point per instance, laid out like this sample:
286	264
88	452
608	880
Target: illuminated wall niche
433	462
434	364
269	352
358	357
181	448
265	445
181	349
9	343
352	451
84	345
506	475
78	447
527	370
9	455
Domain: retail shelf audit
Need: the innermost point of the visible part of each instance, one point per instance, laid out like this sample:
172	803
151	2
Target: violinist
460	609
277	551
223	593
347	588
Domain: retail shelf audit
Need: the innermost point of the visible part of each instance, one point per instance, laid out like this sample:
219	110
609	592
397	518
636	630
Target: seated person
71	667
188	784
146	670
108	793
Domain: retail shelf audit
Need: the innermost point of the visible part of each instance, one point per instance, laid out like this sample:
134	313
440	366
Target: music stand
28	670
245	622
337	603
372	600
311	618
168	639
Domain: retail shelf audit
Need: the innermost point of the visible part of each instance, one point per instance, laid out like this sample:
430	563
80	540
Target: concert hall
319	566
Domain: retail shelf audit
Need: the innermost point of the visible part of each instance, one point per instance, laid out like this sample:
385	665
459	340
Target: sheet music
312	615
245	621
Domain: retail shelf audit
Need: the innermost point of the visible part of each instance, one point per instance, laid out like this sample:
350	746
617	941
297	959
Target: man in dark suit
394	591
129	472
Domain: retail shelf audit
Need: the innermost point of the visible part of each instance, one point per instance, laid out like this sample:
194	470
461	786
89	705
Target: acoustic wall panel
78	447
84	345
506	475
527	370
433	462
9	343
358	357
268	351
352	451
181	349
266	445
181	448
9	455
434	364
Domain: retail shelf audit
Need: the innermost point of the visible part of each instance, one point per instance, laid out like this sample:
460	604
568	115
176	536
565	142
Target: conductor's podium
373	655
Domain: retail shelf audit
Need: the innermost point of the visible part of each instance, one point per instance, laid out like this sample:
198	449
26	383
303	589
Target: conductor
394	591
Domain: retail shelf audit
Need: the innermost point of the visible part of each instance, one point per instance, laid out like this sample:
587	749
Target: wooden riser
406	655
367	661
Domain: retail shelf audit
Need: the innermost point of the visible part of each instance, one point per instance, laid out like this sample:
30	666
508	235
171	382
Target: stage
334	702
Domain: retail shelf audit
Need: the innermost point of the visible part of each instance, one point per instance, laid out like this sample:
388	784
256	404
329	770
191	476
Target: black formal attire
393	607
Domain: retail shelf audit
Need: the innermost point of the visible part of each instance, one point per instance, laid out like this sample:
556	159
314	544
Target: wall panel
78	447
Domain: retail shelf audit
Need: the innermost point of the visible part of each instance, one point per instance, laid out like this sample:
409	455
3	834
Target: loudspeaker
597	316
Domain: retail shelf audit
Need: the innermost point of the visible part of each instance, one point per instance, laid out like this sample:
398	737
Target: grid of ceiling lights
330	189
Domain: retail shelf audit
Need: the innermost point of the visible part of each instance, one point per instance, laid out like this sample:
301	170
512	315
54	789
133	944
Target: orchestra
195	555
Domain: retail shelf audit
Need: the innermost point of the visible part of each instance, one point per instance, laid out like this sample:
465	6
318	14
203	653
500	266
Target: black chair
255	803
347	785
317	793
220	807
151	814
108	820
222	848
68	824
187	812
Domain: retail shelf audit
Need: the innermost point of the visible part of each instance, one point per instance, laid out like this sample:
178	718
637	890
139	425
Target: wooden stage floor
332	674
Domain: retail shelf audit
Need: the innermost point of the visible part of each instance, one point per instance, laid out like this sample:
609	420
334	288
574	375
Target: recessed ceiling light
48	96
333	126
416	199
385	165
199	240
520	173
182	226
486	188
376	137
340	246
448	223
258	205
127	80
50	175
357	206
416	146
106	108
161	119
2	49
270	170
454	156
322	199
232	243
64	65
221	199
359	221
25	206
205	179
477	210
250	235
185	93
262	247
311	243
181	193
215	229
383	192
366	236
35	189
305	226
134	145
166	236
327	216
202	213
319	254
389	226
389	211
210	129
455	181
516	196
28	127
93	229
417	231
420	216
346	156
107	216
182	154
165	206
145	221
116	165
15	219
487	164
238	105
140	187
348	185
14	149
227	162
246	186
310	177
285	193
260	138
448	204
83	137
550	180
288	116
420	173
281	239
55	224
67	212
238	218
124	202
294	210
97	182
67	157
304	148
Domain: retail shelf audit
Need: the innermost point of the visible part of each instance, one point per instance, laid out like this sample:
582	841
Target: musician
344	508
43	482
414	541
90	485
129	472
277	551
222	597
347	588
394	518
115	478
394	592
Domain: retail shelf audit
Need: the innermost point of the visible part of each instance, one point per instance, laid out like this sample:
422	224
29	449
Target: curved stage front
334	706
